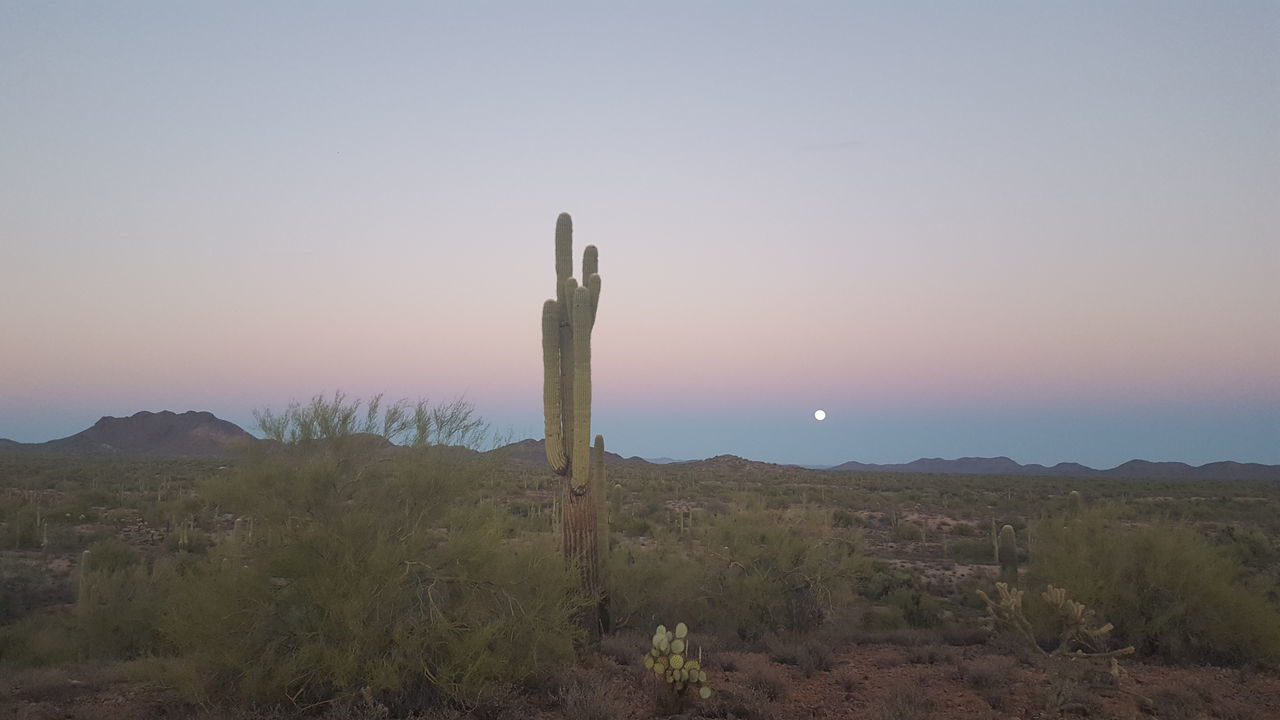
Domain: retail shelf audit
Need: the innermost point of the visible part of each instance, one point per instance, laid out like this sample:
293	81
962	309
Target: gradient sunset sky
1047	230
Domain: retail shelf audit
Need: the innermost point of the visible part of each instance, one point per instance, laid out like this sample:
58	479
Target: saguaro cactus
1008	554
567	321
1075	504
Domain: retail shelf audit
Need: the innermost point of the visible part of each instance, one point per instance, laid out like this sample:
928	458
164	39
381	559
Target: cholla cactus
1006	612
1079	628
670	662
1080	637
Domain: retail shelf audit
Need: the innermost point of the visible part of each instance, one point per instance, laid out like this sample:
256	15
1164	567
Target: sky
1043	230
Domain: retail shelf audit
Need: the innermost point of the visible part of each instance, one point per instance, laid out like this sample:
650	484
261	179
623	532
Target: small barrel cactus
669	659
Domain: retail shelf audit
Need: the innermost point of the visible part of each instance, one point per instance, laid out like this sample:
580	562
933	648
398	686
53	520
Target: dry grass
771	681
588	696
905	702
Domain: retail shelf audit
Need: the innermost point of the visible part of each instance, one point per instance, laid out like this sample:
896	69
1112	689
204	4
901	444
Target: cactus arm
564	256
590	261
600	487
591	276
551	399
581	462
567	417
593	284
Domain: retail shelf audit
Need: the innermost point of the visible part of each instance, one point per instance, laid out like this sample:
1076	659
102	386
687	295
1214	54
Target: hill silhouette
161	434
202	434
1132	469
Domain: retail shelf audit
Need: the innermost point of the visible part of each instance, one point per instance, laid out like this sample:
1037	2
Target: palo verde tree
566	393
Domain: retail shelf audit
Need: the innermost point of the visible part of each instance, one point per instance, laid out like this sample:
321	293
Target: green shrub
110	555
972	551
773	575
1250	546
39	639
118	611
23	587
919	609
882	580
845	519
907	532
1166	589
741	575
370	570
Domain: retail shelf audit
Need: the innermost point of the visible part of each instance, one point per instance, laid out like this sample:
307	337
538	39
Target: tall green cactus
1008	551
1075	504
567	321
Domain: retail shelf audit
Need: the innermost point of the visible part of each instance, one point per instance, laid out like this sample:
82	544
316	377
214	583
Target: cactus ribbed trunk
1007	549
581	547
566	357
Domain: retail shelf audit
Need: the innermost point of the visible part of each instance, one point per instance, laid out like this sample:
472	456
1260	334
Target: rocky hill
159	434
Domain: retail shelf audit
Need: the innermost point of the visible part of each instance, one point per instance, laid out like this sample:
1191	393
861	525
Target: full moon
819	415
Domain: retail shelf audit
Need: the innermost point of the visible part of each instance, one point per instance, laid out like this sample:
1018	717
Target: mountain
533	451
529	450
159	434
201	434
1132	469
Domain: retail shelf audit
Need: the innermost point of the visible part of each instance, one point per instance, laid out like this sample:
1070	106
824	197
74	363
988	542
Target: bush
118	611
1166	589
22	588
110	555
907	532
845	519
39	639
809	653
918	609
972	551
743	575
372	569
905	702
384	584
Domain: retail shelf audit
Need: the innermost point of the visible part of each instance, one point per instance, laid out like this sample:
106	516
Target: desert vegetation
333	572
373	559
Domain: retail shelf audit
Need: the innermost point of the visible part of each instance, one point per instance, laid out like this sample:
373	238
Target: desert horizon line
665	460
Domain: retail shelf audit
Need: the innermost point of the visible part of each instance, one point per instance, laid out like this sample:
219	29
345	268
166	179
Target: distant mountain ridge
530	450
202	434
1224	470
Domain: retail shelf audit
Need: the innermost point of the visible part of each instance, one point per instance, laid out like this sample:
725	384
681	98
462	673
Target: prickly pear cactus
671	661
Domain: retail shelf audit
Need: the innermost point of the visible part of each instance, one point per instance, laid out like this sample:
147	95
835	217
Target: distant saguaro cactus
567	321
1008	554
1075	504
995	542
82	577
